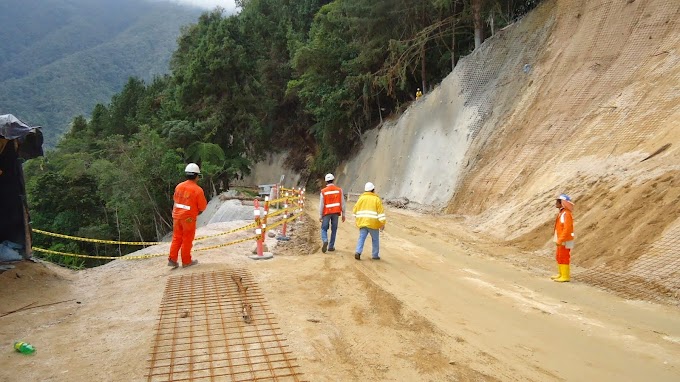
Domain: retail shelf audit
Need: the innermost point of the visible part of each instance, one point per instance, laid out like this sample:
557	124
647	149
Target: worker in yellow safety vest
563	236
189	203
331	207
369	216
418	94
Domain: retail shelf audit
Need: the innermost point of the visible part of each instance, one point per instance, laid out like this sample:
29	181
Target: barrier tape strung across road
280	222
226	244
139	257
150	243
142	243
75	238
283	199
276	213
245	227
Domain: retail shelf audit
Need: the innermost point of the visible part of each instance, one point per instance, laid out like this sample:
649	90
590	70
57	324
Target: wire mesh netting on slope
573	104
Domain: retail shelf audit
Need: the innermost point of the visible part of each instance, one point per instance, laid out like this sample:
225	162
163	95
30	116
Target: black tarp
18	142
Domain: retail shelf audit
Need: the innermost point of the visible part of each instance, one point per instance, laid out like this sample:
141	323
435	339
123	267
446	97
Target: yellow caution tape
152	255
147	256
139	257
227	244
144	243
276	213
280	222
290	189
281	200
245	227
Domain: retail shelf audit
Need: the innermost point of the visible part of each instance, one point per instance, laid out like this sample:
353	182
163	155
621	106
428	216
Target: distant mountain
61	57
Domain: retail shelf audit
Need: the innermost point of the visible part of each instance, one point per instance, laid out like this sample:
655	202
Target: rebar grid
216	326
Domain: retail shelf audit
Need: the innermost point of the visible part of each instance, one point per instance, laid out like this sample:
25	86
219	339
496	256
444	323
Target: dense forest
61	57
306	76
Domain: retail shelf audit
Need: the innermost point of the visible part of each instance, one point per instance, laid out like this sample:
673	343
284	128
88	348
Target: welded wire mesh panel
215	326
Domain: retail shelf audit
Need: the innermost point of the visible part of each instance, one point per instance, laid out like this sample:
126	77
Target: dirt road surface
443	304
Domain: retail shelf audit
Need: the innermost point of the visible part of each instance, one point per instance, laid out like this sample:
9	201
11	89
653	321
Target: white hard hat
564	197
192	168
329	177
369	187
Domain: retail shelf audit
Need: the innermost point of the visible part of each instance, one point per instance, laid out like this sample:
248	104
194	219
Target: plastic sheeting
29	137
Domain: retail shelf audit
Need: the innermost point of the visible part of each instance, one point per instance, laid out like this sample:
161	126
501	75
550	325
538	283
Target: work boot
564	274
375	258
331	249
173	264
558	275
193	262
357	256
324	247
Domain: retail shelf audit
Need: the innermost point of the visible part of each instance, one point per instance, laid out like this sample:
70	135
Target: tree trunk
120	252
479	24
491	24
453	34
453	47
423	72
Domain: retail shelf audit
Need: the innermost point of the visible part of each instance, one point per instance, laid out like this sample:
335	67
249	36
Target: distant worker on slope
370	217
418	94
189	203
563	236
331	207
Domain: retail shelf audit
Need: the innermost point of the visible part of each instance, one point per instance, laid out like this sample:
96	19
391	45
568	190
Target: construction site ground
445	303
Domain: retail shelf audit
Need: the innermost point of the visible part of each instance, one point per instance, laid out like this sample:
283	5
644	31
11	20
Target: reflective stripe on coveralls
369	212
564	236
189	202
332	201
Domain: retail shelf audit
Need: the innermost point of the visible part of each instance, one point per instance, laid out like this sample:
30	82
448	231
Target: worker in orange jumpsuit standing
189	203
331	207
564	236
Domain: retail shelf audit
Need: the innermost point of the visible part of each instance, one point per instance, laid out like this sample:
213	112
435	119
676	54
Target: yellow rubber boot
558	275
564	273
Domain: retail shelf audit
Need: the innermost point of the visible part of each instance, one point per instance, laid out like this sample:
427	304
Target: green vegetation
61	57
305	75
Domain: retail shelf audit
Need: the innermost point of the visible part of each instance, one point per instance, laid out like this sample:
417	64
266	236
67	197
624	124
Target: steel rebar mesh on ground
216	326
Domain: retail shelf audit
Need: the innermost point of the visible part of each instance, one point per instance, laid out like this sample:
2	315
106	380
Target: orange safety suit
189	202
331	200
564	236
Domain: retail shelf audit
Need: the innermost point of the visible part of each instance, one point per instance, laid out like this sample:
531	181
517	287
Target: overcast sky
228	5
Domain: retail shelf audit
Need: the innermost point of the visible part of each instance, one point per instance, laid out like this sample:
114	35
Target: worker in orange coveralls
189	203
564	236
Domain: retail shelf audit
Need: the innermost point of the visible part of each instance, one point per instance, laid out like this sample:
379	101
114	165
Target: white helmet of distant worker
329	177
192	168
369	187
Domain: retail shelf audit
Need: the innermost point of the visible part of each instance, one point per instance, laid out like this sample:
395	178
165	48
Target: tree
478	22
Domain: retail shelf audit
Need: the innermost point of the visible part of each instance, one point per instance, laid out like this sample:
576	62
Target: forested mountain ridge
306	76
61	57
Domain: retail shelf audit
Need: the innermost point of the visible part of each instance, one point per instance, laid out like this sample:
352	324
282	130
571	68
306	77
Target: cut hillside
574	98
461	293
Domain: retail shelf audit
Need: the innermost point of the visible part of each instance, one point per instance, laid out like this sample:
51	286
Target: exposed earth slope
579	97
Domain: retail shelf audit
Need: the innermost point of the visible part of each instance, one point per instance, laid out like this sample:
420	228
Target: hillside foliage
61	57
307	76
